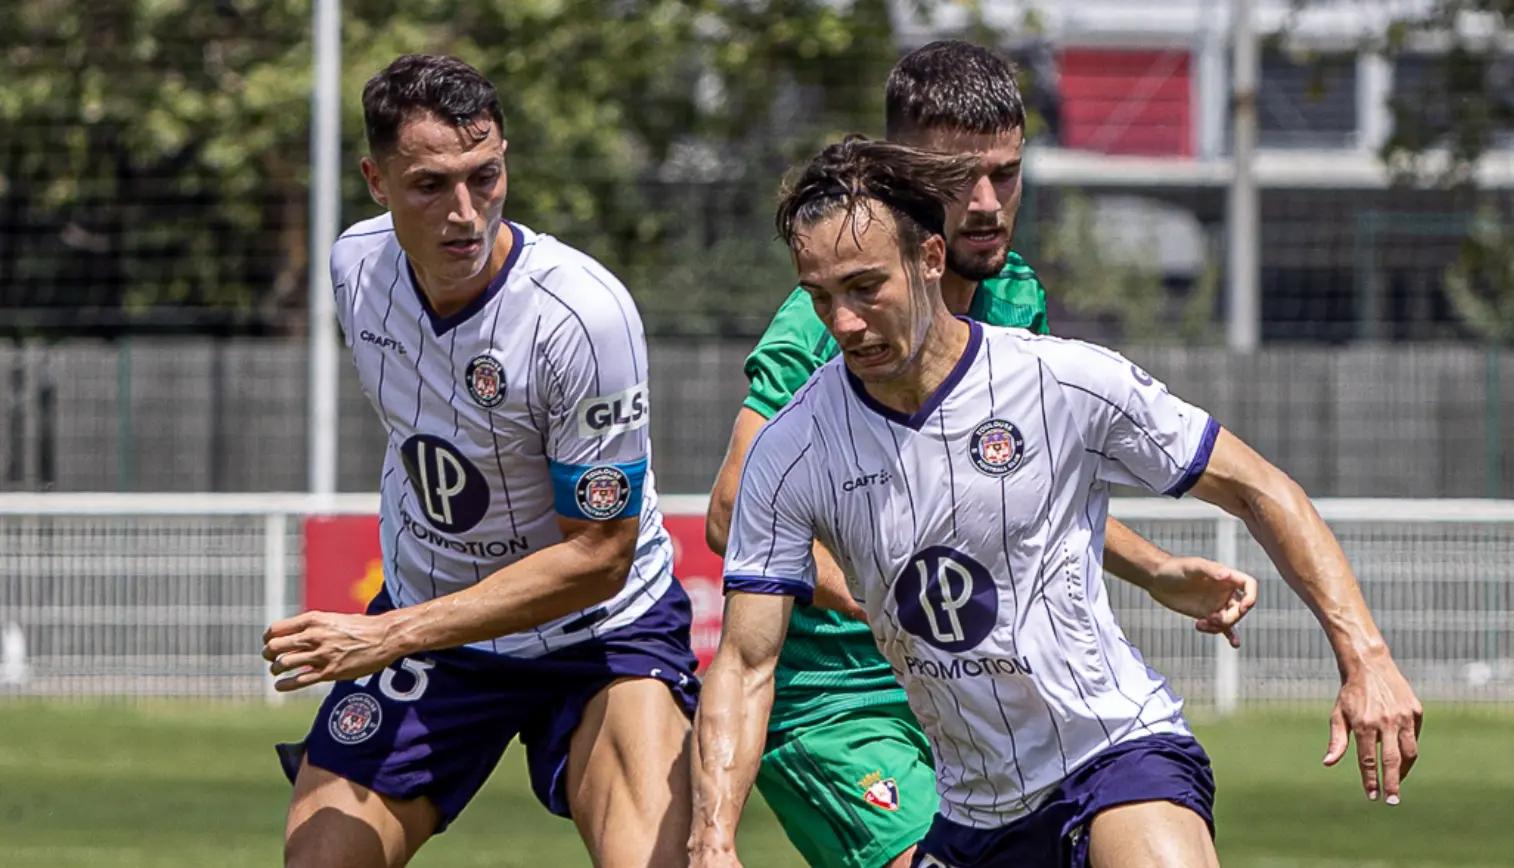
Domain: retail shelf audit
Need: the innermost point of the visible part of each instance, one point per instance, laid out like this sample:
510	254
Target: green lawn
185	783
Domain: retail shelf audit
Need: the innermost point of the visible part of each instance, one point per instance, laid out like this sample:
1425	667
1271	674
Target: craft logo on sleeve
486	380
997	447
603	492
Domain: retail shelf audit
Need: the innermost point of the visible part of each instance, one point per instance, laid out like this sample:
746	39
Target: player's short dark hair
915	185
441	85
952	85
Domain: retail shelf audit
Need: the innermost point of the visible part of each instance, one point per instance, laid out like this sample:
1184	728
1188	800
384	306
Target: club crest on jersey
880	792
997	447
603	492
355	719
486	380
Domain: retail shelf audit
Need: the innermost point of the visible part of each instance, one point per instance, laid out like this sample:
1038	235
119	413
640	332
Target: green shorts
854	790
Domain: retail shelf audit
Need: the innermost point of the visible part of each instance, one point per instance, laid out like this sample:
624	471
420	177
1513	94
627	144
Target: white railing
153	594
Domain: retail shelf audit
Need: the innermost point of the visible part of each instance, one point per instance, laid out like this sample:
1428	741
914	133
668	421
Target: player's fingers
284	644
1408	748
293	660
1248	591
303	678
1391	764
1338	740
1233	637
290	625
1206	625
1366	758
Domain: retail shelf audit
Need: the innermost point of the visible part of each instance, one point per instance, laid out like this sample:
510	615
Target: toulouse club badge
603	492
486	380
356	718
997	447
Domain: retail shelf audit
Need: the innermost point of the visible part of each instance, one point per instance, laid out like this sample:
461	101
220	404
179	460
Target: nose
983	197
845	321
462	205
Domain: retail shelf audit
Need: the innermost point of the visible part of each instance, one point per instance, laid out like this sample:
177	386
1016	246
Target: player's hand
325	646
1377	706
1215	595
832	593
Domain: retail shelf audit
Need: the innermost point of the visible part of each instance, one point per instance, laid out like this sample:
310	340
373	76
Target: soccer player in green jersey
846	767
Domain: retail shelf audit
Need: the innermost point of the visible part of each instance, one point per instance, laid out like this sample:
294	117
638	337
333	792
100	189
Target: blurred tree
155	163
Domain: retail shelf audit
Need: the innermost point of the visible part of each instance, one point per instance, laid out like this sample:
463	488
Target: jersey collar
918	418
440	325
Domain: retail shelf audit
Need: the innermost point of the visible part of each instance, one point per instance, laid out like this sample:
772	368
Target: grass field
184	783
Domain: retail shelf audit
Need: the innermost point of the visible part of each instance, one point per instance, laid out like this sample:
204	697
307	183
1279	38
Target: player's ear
375	179
933	257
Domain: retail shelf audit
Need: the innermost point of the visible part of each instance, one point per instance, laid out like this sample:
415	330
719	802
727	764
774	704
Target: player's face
875	299
981	225
445	186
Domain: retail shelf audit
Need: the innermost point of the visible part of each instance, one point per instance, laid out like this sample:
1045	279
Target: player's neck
446	298
942	347
958	291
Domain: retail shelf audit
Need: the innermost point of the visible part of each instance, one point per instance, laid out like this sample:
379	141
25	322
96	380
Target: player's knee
330	838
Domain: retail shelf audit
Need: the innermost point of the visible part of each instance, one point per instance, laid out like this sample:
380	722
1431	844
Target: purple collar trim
919	417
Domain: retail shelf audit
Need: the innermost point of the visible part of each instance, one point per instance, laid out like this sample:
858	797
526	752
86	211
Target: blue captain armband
598	492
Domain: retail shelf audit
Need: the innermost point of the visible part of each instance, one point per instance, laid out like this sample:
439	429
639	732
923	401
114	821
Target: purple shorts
1169	768
436	724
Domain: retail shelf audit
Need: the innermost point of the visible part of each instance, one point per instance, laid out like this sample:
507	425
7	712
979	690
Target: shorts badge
880	792
486	380
356	718
996	447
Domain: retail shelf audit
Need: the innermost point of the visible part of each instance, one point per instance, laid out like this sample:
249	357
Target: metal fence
202	415
138	595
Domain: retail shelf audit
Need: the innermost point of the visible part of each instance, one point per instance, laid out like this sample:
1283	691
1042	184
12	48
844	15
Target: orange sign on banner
343	565
344	569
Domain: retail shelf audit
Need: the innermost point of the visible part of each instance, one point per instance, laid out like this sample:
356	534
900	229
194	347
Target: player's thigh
336	823
1150	835
856	791
628	775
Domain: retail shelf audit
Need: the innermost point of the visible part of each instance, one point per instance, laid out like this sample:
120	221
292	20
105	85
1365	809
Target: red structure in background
1121	101
344	569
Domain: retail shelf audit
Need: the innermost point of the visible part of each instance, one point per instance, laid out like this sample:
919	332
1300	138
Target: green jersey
829	662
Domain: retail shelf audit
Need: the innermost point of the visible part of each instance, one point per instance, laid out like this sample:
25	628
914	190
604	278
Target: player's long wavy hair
915	185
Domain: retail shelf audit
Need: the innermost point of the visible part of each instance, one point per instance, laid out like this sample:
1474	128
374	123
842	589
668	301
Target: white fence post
1227	660
274	582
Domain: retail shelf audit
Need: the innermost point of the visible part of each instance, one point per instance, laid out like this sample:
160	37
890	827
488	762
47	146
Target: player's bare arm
730	727
1217	597
1375	703
588	566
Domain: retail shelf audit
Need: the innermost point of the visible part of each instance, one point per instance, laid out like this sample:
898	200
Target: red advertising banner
343	565
344	569
699	569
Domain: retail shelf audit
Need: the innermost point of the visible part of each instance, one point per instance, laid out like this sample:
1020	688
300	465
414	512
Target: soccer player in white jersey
960	474
527	576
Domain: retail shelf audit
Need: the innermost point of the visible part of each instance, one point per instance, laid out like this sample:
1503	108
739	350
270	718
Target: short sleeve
1138	432
592	377
770	549
792	348
343	280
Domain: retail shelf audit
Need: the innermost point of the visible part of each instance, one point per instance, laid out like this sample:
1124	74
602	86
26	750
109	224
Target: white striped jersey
972	533
529	403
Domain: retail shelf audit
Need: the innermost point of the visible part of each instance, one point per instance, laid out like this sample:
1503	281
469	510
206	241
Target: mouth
465	248
982	239
868	356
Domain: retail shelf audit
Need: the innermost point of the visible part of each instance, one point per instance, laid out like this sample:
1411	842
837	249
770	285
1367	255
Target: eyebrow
425	172
851	276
